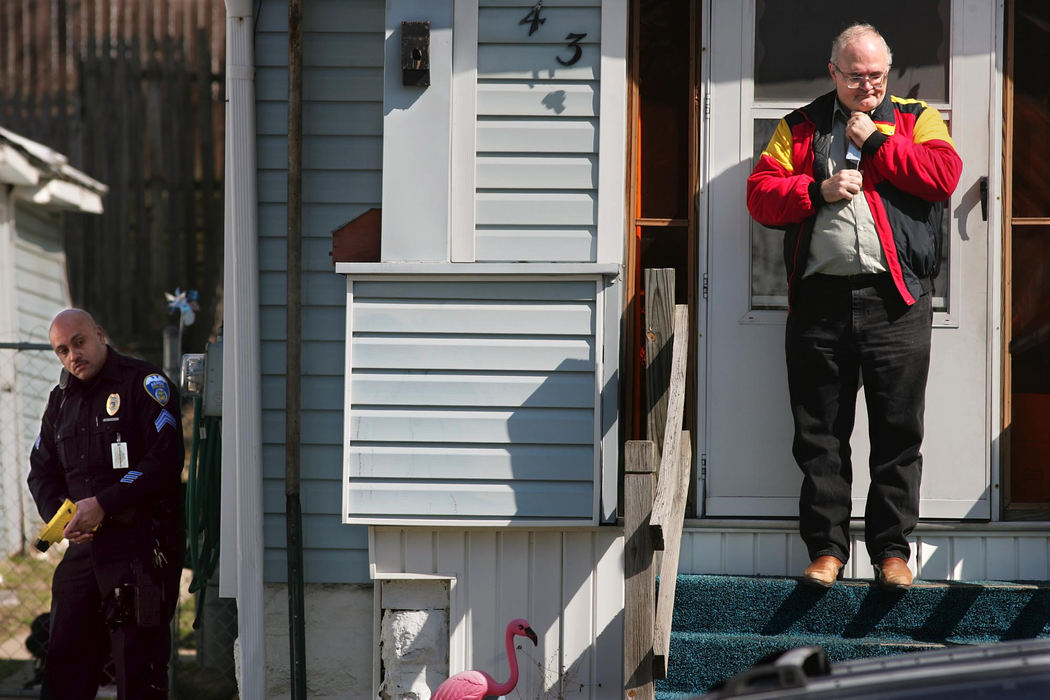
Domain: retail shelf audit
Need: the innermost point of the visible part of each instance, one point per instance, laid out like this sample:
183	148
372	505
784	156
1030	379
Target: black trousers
840	330
82	640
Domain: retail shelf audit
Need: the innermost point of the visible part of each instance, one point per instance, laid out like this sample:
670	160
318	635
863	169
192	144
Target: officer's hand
89	514
842	185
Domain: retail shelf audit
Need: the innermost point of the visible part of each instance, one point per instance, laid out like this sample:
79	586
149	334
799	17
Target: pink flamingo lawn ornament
474	685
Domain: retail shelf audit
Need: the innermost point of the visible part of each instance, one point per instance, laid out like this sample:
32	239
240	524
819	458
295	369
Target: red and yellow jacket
910	168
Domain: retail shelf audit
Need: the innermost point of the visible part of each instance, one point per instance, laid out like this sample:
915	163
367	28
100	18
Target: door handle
984	197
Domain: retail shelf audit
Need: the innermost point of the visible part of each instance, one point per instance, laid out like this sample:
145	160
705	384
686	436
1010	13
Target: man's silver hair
854	32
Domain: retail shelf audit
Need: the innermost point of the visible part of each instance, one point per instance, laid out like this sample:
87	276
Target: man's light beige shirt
844	241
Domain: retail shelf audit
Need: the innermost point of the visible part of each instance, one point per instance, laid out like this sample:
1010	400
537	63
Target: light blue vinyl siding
472	400
342	163
536	170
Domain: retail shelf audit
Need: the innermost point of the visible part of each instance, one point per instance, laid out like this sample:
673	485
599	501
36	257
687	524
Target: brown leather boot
822	571
893	573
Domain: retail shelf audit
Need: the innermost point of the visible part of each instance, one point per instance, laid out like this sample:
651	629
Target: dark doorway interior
1027	261
664	74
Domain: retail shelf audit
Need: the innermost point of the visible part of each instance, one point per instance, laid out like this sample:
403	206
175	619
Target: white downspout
240	572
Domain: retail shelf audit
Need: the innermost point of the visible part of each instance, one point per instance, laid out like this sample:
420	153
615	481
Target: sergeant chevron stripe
164	418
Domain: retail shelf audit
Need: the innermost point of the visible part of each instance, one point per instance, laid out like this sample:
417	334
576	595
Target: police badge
157	387
113	404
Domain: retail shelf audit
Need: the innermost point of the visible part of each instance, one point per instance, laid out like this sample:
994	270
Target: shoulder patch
157	387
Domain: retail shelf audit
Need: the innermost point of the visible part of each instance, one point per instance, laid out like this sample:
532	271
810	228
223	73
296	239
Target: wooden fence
132	92
657	473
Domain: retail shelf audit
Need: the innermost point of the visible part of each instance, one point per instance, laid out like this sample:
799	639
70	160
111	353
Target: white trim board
468	270
612	134
940	551
464	131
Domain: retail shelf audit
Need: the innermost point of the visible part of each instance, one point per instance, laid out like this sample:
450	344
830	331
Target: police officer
110	441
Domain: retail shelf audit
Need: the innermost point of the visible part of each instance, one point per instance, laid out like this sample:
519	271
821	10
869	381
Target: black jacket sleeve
47	480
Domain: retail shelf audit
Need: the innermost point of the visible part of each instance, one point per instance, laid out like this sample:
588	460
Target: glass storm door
765	57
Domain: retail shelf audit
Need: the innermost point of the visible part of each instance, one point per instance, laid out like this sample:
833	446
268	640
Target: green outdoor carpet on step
970	613
700	661
723	624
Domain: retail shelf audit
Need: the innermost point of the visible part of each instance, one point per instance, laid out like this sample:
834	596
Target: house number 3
574	44
534	20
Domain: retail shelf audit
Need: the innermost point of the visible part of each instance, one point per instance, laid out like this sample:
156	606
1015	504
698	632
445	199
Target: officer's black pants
80	642
840	330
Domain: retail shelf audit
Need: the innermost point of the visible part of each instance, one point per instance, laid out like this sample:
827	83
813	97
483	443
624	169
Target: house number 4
534	20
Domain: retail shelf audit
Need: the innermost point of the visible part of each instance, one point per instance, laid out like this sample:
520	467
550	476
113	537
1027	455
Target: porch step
699	660
723	624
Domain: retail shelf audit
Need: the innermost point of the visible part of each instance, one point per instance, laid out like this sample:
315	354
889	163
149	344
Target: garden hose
203	487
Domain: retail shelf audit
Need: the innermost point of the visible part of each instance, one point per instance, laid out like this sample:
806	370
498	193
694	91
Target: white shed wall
41	292
33	291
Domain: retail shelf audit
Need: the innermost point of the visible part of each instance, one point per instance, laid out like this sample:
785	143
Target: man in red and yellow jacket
858	180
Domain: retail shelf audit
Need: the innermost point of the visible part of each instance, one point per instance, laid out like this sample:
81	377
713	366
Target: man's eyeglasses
855	81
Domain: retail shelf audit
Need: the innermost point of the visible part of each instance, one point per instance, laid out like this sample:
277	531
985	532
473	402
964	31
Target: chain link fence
205	625
27	373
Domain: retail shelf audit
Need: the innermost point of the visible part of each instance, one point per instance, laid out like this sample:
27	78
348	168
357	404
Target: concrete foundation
339	641
414	638
414	651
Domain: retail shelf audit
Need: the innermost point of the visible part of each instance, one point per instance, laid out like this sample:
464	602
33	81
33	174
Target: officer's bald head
78	342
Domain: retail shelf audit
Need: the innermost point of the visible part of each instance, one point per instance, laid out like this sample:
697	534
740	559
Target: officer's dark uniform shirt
129	408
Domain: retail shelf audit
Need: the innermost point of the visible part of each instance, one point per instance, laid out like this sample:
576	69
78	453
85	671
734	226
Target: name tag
119	451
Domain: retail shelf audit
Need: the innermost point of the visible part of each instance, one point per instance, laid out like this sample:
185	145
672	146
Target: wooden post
667	494
639	574
669	562
659	328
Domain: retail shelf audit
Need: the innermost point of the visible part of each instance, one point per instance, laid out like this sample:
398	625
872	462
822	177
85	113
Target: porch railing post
669	563
639	572
659	331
